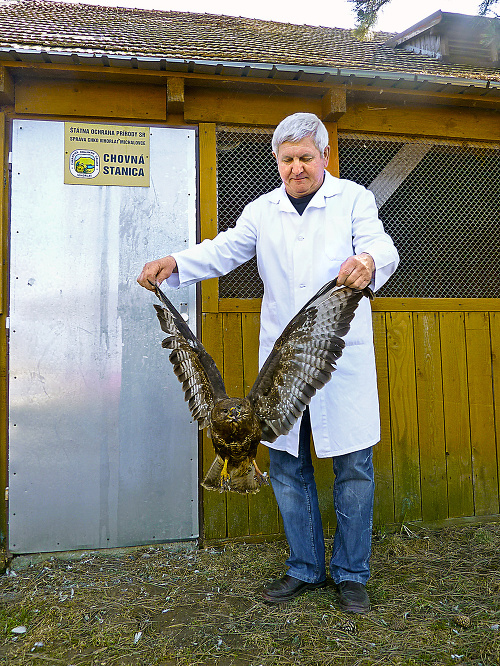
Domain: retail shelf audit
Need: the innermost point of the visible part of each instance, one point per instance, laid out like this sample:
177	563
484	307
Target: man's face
301	166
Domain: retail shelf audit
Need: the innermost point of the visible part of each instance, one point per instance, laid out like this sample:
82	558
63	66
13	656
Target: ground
436	600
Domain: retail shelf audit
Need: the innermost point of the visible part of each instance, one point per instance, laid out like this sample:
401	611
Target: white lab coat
296	255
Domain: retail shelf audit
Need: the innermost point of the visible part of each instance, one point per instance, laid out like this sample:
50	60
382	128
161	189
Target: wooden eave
388	87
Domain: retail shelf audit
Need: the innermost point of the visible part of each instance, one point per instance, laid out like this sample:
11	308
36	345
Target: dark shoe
353	597
287	588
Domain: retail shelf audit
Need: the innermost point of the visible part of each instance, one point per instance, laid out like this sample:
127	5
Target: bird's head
230	410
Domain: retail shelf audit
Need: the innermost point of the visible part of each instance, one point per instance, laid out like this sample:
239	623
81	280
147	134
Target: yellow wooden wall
438	364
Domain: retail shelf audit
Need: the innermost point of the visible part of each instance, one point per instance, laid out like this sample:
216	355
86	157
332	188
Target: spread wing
303	358
195	368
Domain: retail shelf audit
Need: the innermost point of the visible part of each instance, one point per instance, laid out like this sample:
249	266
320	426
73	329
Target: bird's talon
261	477
224	477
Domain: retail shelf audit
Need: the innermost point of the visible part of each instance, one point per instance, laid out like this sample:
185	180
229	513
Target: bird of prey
301	362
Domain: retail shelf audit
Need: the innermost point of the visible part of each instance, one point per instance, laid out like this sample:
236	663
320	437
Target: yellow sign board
97	154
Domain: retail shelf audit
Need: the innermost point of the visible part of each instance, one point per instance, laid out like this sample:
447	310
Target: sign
96	154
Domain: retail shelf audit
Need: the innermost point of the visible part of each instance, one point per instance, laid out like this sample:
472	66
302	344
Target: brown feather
301	362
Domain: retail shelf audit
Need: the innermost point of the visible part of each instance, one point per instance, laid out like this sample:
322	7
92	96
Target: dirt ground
436	600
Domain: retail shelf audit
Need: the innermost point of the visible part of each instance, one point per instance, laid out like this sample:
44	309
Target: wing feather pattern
303	358
194	367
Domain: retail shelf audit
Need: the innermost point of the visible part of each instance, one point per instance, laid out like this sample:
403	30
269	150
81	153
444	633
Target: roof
443	20
58	32
453	38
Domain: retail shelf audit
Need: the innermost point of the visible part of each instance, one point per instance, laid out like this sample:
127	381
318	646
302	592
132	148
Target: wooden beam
453	123
388	305
396	93
40	70
91	99
6	87
175	95
223	106
333	164
333	104
436	305
380	90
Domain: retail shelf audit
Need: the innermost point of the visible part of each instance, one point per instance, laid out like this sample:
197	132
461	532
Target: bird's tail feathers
243	478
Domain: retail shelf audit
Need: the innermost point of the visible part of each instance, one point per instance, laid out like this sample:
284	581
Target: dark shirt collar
301	203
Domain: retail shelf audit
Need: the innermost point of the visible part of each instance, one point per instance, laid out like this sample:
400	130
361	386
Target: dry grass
436	600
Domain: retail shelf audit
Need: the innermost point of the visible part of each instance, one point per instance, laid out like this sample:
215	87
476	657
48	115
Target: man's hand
357	271
154	272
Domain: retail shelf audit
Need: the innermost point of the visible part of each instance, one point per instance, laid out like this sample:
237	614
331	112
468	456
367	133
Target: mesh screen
439	201
246	169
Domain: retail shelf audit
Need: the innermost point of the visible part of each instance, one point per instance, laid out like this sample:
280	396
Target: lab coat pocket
338	238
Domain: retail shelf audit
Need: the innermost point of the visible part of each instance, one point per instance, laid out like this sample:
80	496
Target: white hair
296	127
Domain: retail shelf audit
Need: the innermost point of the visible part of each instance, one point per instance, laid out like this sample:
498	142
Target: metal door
102	449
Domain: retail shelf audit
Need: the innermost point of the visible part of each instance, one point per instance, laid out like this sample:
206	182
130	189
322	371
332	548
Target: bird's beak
234	413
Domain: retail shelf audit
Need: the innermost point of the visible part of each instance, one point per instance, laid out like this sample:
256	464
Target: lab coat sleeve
216	257
369	236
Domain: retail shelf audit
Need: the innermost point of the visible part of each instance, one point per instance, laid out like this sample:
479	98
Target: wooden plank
456	414
214	504
212	105
208	207
383	510
96	99
262	507
453	123
495	360
404	422
430	416
388	305
482	424
237	505
250	323
240	304
436	305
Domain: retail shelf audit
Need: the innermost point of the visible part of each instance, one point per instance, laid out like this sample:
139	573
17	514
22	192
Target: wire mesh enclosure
440	203
439	200
246	169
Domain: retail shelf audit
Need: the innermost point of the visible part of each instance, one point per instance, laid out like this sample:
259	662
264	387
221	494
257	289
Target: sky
394	17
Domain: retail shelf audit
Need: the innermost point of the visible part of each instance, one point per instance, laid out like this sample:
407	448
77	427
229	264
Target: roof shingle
55	27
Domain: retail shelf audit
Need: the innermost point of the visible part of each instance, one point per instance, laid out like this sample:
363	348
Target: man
312	229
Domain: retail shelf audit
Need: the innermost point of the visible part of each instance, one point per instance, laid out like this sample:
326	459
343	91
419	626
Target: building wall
438	366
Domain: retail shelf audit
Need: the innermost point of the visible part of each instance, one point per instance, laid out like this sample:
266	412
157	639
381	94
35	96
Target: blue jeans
295	491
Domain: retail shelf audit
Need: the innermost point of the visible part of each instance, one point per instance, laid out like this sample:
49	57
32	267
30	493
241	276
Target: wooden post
333	165
208	207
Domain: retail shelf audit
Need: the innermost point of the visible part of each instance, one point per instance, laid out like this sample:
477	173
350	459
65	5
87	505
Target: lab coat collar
331	187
